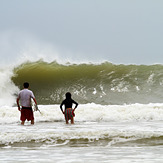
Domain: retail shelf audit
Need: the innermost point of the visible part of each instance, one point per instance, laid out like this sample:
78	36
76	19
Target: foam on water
90	113
100	127
7	88
61	136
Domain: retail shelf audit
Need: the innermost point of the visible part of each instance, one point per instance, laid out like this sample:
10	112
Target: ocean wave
103	83
105	125
89	137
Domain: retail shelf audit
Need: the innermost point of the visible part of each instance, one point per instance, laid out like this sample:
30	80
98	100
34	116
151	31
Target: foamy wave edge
90	113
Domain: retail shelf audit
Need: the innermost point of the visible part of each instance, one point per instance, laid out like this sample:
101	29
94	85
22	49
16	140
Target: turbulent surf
119	117
103	83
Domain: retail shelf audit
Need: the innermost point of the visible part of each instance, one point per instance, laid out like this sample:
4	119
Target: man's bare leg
72	120
32	122
66	121
22	123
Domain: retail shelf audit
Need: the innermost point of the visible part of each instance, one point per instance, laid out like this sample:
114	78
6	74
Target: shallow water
83	142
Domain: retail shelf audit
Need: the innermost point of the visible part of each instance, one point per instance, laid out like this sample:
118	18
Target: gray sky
119	31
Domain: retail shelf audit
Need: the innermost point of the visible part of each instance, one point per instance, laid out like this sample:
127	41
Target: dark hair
68	95
26	85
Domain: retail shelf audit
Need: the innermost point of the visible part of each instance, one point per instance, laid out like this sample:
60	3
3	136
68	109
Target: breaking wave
103	83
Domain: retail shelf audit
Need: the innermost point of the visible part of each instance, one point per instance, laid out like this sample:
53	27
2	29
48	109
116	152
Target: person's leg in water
32	122
66	120
72	120
22	123
68	115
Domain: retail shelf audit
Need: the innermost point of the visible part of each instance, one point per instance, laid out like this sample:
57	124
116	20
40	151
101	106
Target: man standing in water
25	96
68	112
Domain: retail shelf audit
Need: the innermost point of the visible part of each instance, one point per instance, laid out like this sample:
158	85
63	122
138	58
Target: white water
102	133
7	88
91	113
117	133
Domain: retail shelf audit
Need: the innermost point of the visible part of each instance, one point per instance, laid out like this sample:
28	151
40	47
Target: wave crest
103	83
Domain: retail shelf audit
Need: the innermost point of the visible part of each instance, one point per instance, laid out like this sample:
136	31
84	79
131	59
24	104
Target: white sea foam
7	88
90	113
53	136
114	127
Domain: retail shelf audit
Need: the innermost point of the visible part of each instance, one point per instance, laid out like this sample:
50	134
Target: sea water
126	133
119	117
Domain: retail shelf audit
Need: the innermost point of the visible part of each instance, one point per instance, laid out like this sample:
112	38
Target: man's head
68	95
26	85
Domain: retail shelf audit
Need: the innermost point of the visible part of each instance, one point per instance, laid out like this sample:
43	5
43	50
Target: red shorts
69	113
26	113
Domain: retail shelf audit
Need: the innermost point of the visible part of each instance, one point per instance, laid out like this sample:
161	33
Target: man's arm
76	104
35	103
18	104
61	107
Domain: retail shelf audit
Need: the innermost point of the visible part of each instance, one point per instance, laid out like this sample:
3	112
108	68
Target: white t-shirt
25	96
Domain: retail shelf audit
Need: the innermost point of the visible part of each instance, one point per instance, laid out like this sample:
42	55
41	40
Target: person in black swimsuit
68	111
